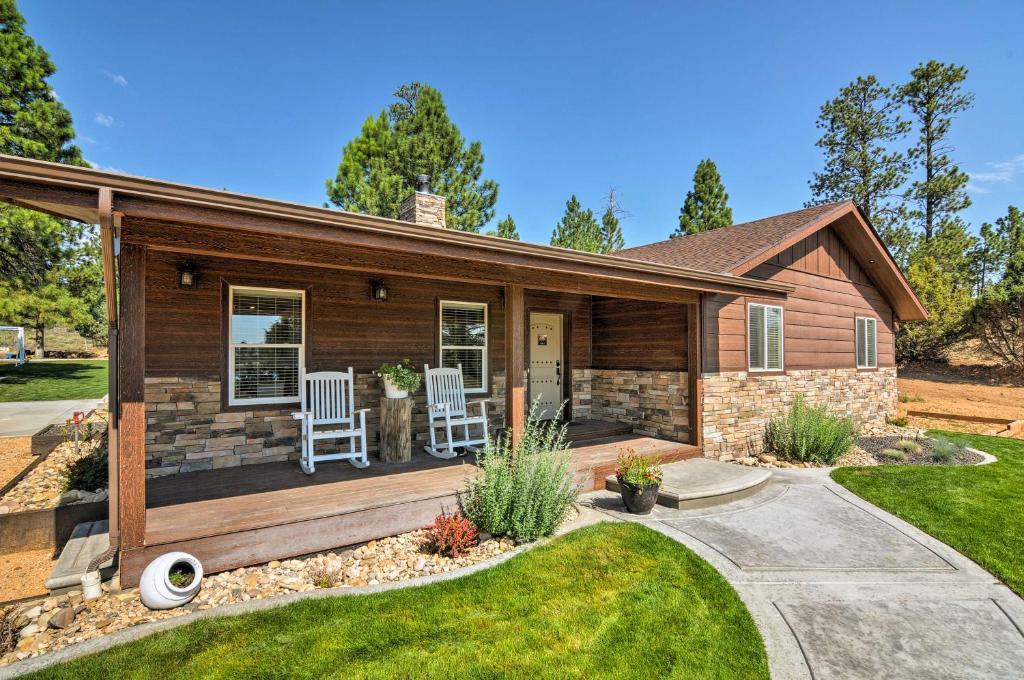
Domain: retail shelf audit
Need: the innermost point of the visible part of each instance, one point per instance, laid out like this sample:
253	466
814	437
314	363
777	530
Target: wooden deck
252	514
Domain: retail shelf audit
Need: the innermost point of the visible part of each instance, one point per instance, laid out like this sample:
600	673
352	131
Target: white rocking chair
446	402
327	404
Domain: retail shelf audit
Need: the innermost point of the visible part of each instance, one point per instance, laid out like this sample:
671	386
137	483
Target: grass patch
979	510
53	380
610	600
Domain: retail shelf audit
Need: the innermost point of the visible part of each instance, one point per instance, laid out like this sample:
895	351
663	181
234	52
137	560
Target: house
678	349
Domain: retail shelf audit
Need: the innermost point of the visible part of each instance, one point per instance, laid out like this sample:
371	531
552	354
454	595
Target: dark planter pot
639	500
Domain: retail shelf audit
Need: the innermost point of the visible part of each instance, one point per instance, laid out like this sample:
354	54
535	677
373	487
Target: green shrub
946	450
810	434
898	421
402	375
88	473
892	455
908	446
523	492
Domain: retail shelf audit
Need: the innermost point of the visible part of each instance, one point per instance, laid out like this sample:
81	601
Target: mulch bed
874	446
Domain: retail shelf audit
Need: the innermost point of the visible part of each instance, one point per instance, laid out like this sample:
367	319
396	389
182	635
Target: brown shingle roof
722	250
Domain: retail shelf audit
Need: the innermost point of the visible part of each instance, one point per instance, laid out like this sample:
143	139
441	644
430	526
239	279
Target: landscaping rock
62	618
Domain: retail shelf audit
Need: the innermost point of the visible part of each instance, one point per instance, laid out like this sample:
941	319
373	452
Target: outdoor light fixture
188	277
378	291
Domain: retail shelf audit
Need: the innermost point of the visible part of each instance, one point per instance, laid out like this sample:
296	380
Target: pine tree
33	123
706	206
612	240
578	229
414	136
506	229
934	97
856	128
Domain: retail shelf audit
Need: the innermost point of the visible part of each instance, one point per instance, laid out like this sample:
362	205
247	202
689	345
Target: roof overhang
849	223
74	193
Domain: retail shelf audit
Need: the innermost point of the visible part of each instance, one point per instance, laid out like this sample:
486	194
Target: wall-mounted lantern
378	291
188	276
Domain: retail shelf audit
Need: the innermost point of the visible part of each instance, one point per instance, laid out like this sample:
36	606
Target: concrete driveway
25	418
841	589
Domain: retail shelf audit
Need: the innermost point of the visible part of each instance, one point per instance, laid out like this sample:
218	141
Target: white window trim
782	338
232	400
856	352
441	347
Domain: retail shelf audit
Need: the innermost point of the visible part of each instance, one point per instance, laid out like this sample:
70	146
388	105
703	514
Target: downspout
110	242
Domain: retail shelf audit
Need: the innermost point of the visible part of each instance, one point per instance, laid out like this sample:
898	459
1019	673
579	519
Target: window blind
867	342
266	345
464	341
765	342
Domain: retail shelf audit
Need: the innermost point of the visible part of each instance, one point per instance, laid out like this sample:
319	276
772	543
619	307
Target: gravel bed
873	446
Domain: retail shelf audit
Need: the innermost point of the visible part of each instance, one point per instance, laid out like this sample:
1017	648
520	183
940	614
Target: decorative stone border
986	458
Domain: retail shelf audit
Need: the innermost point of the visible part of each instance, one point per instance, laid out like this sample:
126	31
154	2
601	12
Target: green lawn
50	380
977	510
610	600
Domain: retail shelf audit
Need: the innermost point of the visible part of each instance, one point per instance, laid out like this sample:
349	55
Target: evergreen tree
506	229
578	229
414	136
934	97
33	123
612	240
706	206
856	128
947	302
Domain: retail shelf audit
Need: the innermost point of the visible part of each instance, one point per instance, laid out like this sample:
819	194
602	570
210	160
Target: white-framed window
867	342
764	337
266	345
463	333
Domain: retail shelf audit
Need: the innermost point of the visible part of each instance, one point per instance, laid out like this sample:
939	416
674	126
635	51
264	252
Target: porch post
515	361
695	367
132	411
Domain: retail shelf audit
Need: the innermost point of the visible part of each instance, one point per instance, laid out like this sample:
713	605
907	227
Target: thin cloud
104	119
86	139
1002	172
105	168
116	78
976	189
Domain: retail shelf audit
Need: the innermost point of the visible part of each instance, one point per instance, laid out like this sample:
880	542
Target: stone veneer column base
738	406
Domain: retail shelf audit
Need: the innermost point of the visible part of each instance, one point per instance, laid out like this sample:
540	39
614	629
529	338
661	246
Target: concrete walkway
25	418
841	589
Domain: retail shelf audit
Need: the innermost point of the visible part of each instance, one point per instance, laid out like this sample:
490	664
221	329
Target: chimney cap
423	184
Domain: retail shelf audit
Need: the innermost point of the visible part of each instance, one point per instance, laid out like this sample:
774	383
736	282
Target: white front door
546	363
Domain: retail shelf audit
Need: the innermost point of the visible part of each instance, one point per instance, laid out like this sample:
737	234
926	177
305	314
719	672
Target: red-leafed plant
451	535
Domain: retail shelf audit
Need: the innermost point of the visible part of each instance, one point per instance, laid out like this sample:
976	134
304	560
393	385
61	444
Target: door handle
558	372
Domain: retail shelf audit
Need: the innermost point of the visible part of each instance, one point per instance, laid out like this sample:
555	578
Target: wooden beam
694	370
132	388
515	361
106	220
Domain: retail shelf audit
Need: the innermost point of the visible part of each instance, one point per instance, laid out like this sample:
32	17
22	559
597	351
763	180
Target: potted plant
639	481
399	379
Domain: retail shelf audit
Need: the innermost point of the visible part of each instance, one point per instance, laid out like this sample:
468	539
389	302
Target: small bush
322	577
88	473
946	450
898	421
523	492
403	375
810	434
909	447
8	631
637	470
892	455
451	535
181	575
907	398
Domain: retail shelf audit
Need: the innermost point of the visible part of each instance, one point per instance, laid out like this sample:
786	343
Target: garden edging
986	458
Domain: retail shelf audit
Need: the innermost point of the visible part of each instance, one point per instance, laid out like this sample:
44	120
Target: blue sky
259	96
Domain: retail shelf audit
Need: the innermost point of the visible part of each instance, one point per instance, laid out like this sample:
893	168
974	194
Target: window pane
472	361
463	326
755	336
774	324
266	318
872	343
266	372
861	343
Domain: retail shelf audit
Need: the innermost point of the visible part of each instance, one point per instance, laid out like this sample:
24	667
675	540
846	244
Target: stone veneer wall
737	406
186	430
656	403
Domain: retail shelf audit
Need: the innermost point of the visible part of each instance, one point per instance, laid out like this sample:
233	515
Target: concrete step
88	540
701	483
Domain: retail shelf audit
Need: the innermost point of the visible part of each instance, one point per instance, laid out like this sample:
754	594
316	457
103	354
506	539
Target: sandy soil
960	389
15	454
23	574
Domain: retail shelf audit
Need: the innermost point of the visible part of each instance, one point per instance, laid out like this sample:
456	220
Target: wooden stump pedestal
395	430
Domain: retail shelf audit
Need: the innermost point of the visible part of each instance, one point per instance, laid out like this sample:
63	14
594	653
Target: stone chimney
423	207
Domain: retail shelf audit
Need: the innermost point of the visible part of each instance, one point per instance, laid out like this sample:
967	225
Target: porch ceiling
200	221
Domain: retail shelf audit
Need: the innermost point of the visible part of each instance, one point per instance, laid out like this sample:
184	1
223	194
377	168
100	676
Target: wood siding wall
639	335
831	290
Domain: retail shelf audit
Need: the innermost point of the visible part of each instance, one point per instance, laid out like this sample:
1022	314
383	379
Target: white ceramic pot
391	391
91	588
155	586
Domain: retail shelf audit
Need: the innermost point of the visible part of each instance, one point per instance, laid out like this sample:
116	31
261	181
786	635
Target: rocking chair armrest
361	410
482	403
300	415
441	406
